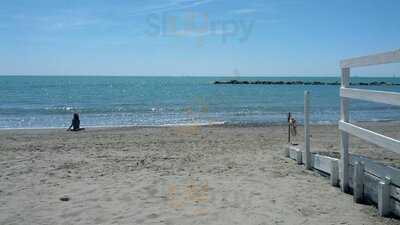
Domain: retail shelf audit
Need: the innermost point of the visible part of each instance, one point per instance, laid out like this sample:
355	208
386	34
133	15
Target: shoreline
212	124
118	126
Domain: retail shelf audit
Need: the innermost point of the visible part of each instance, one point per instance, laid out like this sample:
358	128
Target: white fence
346	129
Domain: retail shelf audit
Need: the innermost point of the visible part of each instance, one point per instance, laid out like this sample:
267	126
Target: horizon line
216	75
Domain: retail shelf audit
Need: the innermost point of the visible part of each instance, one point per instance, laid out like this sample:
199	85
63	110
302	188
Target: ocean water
49	101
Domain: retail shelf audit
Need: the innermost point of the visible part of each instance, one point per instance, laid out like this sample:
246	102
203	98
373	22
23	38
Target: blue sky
194	37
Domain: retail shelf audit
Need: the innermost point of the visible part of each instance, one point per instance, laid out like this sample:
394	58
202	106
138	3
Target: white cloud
244	11
172	5
66	22
193	33
82	18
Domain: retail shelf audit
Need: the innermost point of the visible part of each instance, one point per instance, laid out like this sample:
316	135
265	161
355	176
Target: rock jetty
375	83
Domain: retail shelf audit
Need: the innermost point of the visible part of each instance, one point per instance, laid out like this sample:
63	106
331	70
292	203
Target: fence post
307	129
344	137
289	116
299	157
384	197
358	182
334	173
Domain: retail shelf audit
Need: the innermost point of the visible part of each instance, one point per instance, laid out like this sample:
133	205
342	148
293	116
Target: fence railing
346	128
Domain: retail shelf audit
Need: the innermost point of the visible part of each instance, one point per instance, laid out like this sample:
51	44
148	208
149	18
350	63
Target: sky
194	37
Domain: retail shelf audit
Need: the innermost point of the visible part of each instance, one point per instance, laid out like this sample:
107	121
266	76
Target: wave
200	124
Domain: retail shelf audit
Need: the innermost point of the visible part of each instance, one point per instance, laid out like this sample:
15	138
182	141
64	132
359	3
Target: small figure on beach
292	131
75	124
293	126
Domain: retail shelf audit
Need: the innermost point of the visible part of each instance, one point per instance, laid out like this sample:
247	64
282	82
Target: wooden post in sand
358	182
344	136
384	197
334	173
307	129
299	157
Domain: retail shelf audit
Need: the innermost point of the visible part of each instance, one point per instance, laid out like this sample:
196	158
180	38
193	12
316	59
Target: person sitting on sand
75	124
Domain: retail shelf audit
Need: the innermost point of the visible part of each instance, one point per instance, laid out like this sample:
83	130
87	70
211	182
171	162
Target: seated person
75	125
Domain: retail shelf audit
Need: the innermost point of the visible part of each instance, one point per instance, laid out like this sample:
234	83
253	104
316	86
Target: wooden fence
369	181
355	173
365	180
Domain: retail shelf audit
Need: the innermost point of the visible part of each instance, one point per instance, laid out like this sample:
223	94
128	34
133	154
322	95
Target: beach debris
65	198
337	83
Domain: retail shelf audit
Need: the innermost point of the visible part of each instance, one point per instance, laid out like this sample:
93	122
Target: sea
116	101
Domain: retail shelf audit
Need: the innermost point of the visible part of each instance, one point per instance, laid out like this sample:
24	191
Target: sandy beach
175	175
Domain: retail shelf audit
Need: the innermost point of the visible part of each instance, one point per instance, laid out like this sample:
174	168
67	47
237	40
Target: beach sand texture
174	175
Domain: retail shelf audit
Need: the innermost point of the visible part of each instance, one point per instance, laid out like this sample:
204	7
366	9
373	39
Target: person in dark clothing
75	124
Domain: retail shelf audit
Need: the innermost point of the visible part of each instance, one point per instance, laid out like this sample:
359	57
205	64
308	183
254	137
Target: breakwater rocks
375	83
